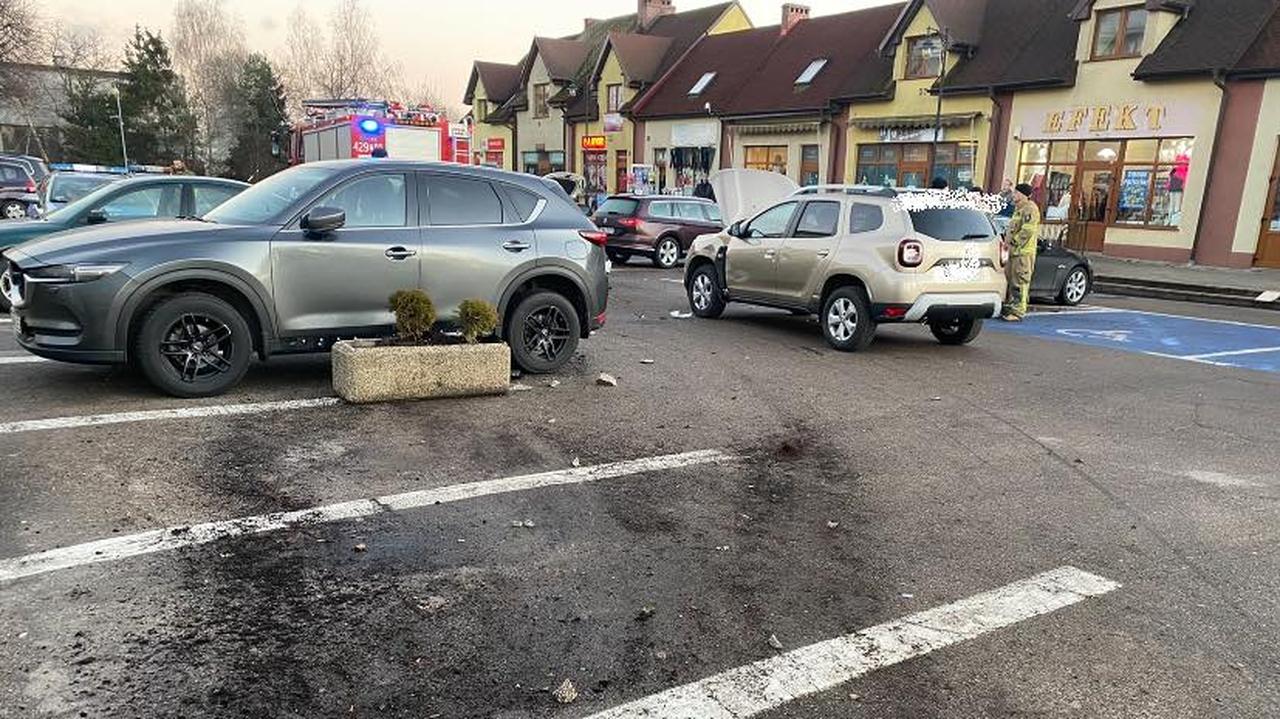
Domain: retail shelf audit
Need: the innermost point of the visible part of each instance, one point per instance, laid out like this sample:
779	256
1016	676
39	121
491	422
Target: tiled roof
1214	36
1043	56
640	55
562	58
499	81
1263	57
756	70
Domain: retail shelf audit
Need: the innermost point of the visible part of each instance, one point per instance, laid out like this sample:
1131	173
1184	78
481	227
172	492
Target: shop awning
787	128
955	119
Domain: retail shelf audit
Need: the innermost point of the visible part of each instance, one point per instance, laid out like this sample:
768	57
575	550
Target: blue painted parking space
1215	342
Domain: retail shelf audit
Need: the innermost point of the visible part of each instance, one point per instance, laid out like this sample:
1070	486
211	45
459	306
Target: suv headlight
75	272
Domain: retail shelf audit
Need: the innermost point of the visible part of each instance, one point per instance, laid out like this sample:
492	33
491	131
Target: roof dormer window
702	83
811	71
1118	33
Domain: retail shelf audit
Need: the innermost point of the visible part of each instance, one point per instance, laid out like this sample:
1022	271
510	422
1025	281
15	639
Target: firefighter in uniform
1023	233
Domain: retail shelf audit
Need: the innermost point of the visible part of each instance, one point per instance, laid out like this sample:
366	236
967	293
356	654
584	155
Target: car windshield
952	224
69	188
86	202
267	200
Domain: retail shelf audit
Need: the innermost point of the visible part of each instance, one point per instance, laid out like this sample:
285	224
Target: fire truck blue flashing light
370	126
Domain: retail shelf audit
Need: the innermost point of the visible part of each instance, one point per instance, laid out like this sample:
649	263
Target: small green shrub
415	314
478	319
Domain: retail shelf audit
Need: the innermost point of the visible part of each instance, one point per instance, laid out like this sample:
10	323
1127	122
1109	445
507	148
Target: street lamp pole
944	38
124	150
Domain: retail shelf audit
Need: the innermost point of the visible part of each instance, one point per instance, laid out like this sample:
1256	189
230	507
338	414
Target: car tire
193	345
846	319
1075	287
956	331
543	332
666	253
13	210
705	299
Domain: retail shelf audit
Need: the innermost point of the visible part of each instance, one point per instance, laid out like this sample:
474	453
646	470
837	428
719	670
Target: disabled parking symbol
1108	335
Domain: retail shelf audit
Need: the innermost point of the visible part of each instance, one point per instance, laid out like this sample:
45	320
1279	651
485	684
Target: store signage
459	132
695	133
612	123
595	142
910	134
495	144
1128	119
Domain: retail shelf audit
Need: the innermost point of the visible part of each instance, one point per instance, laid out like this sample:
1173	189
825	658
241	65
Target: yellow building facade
892	142
491	144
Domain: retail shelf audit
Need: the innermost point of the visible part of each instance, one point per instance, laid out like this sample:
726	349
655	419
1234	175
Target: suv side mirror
320	220
735	230
96	217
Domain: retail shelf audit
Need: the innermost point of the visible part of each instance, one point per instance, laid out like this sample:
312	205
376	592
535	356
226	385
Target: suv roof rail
873	190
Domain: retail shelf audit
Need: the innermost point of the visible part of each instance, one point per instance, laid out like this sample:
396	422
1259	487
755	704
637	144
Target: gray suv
307	256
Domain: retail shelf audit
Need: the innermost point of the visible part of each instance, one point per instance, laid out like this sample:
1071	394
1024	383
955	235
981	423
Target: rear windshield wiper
975	236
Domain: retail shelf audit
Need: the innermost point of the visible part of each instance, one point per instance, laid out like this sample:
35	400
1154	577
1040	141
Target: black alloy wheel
544	332
193	345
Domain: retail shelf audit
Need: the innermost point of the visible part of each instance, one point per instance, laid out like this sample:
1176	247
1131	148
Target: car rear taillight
910	253
1004	252
630	223
595	237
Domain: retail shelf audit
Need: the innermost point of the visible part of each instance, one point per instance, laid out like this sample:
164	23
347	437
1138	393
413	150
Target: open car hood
743	193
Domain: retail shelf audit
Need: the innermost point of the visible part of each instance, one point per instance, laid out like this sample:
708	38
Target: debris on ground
646	361
432	604
908	596
519	387
577	462
855	696
553	383
523	524
722	548
681	315
566	693
362	547
935	399
833	525
607	380
645	614
773	642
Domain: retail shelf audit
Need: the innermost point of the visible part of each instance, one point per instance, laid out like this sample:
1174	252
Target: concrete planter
363	371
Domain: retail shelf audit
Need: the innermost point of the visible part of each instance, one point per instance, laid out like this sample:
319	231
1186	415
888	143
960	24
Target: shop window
692	166
622	171
540	107
1118	33
541	162
809	165
613	94
660	168
924	57
772	158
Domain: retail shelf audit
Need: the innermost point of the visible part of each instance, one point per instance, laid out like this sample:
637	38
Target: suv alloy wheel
846	319
544	332
704	296
666	254
193	345
13	210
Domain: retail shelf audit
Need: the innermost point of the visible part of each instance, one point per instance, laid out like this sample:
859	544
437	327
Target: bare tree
209	52
18	22
428	92
348	61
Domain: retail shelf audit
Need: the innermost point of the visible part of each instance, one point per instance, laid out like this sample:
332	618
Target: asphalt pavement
748	524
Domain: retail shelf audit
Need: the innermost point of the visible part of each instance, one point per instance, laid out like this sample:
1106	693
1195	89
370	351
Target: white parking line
222	410
1233	353
672	279
21	359
160	540
767	684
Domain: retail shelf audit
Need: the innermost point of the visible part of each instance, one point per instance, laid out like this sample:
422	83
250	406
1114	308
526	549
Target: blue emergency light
370	126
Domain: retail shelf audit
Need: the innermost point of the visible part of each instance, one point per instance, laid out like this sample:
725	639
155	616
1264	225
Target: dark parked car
17	189
659	226
62	188
1061	274
306	256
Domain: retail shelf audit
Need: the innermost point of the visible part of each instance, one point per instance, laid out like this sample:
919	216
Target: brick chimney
649	10
792	15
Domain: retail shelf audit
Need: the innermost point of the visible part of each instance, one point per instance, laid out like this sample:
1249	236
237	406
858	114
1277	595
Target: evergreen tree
159	124
261	122
91	133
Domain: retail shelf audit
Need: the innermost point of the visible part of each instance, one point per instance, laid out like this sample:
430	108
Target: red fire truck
342	129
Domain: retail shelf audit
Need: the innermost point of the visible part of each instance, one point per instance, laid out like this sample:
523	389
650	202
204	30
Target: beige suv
856	256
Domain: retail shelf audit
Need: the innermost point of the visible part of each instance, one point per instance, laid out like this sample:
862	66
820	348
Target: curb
1182	292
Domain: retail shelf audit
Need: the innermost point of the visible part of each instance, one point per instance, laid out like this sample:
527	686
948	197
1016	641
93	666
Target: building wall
610	74
912	99
532	132
739	141
733	20
662	134
1253	202
482	132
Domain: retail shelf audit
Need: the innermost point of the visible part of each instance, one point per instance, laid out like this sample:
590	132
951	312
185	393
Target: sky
434	41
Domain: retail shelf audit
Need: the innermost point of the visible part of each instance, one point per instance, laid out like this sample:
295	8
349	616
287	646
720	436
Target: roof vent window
811	71
702	83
